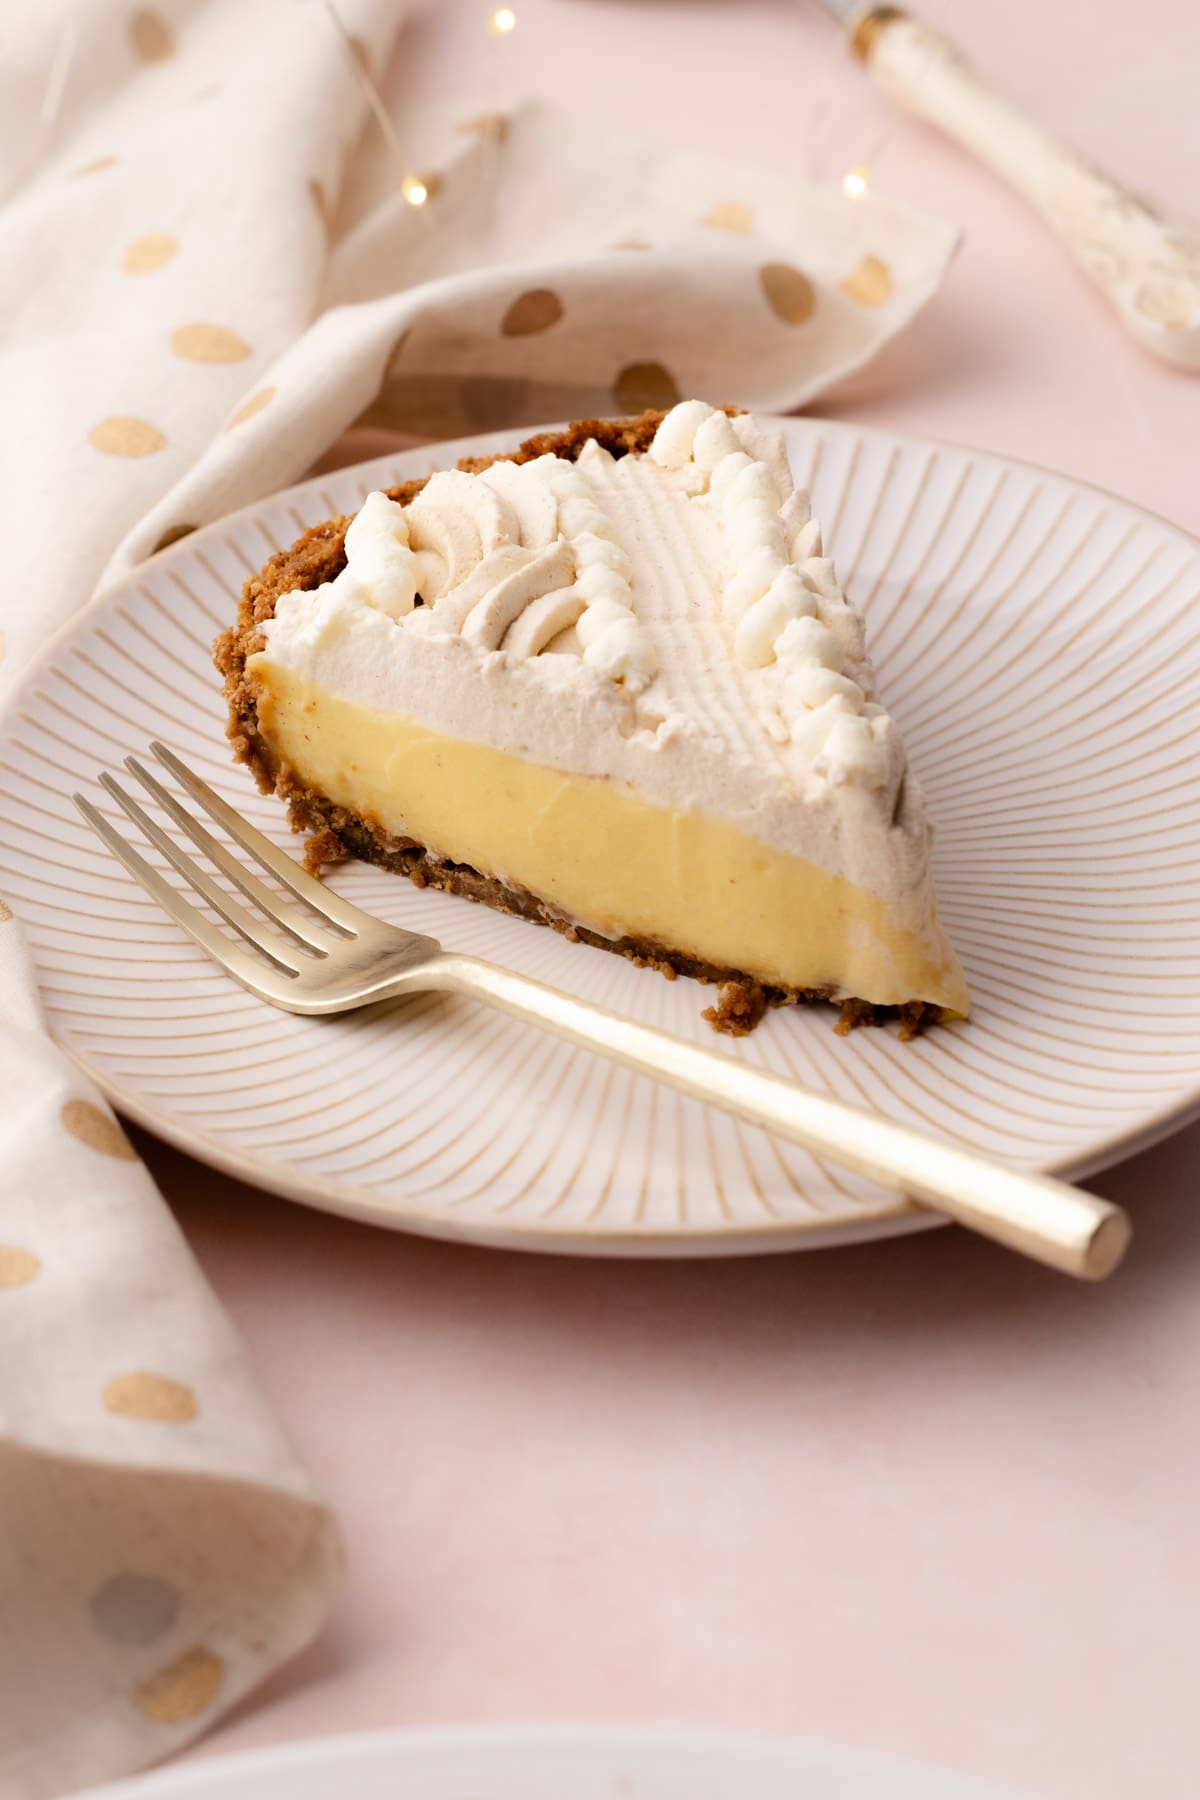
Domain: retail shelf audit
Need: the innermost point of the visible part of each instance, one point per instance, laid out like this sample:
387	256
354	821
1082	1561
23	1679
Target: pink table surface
919	1498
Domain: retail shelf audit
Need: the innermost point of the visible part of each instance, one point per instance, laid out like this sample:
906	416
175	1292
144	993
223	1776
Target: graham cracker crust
335	834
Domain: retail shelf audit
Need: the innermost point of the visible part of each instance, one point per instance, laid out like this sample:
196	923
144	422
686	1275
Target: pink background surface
918	1498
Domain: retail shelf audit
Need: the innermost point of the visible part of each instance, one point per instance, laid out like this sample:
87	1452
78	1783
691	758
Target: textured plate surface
549	1762
1039	643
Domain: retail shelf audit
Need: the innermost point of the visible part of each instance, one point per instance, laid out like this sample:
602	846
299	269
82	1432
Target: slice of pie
610	683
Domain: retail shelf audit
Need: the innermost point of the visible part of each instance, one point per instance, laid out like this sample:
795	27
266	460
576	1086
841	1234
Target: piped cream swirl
777	584
508	560
607	627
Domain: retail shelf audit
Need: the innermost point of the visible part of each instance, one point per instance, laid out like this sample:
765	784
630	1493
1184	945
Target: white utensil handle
1043	1218
1146	263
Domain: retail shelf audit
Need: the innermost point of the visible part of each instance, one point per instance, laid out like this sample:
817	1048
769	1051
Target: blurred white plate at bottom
554	1762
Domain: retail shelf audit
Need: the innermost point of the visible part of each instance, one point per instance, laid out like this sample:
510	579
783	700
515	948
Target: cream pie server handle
1042	1218
1145	262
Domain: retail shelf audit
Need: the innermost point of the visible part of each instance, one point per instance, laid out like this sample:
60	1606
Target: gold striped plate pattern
1039	642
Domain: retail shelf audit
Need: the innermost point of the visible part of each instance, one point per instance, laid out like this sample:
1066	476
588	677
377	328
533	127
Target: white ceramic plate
1040	644
545	1763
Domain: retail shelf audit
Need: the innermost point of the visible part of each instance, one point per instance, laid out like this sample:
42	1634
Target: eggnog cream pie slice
609	683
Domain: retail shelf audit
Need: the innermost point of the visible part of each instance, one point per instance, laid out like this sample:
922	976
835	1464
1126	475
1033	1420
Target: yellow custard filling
607	859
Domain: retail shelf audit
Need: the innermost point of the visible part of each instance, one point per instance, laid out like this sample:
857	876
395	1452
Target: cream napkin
206	278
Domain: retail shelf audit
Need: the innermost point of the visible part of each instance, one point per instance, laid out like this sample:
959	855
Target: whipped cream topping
776	578
509	559
613	641
588	616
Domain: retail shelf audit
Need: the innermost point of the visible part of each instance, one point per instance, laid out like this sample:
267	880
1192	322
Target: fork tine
285	869
240	964
297	924
245	924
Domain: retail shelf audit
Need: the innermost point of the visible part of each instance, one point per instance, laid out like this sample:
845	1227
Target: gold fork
326	956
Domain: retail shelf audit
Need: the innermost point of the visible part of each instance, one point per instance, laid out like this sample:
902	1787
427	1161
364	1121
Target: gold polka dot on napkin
150	251
94	167
149	37
253	405
731	215
208	343
645	384
487	125
98	1129
788	292
18	1267
142	1394
869	284
535	310
126	436
184	1688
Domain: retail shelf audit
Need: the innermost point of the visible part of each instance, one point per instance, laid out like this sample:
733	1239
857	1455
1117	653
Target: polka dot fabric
160	1548
222	262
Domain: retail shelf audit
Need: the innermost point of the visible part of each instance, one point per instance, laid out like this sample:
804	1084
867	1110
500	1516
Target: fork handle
1044	1219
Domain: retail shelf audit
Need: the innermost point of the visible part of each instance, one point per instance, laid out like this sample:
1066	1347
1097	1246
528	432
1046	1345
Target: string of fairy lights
501	23
414	188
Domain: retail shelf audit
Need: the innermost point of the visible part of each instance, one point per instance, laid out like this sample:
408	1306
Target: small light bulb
414	190
502	21
855	183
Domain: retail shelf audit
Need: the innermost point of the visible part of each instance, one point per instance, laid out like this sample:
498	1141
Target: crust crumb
324	850
854	1013
740	1006
915	1017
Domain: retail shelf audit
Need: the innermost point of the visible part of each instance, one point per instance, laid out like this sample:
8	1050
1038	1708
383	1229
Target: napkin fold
209	271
